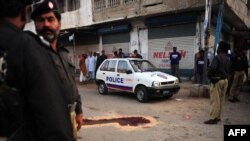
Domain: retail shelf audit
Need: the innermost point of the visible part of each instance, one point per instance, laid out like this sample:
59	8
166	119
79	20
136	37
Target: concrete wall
139	38
73	19
146	7
241	10
86	17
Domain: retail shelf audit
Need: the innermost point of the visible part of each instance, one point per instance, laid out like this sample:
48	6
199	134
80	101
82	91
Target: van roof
125	59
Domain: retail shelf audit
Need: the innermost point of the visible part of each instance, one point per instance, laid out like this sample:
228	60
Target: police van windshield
142	65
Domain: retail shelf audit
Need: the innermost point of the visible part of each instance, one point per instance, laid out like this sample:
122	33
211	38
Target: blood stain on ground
122	121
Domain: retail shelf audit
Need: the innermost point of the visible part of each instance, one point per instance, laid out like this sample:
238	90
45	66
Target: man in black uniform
12	20
42	75
99	60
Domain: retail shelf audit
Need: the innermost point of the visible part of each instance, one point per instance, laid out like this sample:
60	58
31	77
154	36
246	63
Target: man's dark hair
202	52
175	48
12	8
223	47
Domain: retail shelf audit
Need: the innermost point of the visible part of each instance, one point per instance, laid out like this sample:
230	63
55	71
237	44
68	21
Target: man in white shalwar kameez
91	66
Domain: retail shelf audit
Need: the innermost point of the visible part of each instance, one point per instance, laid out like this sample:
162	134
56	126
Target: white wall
144	42
73	19
139	38
79	17
134	40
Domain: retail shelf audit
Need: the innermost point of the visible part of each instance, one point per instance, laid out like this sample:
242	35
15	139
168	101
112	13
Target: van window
142	65
123	66
108	65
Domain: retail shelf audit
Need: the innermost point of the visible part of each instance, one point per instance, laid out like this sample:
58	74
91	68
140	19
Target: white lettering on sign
236	132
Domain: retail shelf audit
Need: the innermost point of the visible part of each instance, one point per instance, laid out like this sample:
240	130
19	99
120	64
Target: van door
125	74
110	74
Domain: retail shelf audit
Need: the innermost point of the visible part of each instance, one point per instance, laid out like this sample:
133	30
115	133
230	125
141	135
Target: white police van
136	76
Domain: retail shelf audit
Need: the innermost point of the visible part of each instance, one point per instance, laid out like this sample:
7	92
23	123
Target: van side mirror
129	72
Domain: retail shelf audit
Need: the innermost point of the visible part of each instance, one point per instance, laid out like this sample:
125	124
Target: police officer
13	15
63	99
39	70
218	73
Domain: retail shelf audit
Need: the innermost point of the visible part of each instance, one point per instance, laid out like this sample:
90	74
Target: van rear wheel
141	94
102	88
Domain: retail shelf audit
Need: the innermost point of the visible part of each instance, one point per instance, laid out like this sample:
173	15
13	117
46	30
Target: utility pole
72	38
206	36
218	26
74	51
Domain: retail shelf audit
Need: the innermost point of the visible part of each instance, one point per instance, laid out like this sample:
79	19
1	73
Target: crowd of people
226	74
89	64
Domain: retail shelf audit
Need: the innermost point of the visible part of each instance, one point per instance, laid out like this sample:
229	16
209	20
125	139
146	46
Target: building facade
153	27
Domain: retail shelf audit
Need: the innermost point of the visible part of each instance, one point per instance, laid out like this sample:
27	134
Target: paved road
177	119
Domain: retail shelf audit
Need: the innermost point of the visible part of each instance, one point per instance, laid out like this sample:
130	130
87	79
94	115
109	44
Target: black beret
45	6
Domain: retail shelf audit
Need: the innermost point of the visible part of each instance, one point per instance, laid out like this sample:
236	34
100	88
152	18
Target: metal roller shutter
85	43
113	42
163	39
86	49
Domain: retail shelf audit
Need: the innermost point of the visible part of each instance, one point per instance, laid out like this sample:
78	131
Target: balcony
100	5
107	10
104	10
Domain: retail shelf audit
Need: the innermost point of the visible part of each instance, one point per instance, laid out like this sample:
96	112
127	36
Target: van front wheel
141	94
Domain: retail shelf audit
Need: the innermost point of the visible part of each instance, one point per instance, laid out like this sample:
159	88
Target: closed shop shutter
163	39
85	43
113	42
86	49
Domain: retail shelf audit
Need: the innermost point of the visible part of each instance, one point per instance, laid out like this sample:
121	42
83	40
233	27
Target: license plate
165	92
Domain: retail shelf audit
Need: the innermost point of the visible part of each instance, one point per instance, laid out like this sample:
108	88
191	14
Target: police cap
45	6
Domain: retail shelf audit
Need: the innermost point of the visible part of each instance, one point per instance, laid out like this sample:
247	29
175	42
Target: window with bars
68	5
129	1
102	4
113	3
99	4
73	5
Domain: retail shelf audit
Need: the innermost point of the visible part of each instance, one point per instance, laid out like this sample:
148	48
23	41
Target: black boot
212	121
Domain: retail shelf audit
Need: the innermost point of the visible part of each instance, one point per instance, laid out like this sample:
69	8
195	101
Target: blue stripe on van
125	88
